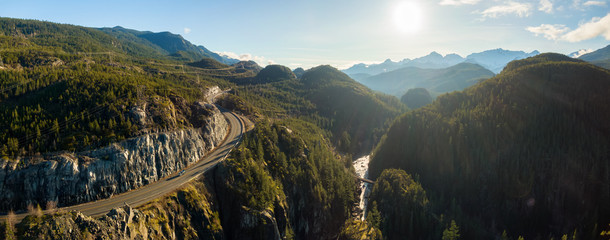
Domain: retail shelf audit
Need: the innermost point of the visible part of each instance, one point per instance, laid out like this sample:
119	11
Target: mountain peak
597	55
454	57
434	53
496	59
406	60
579	53
433	56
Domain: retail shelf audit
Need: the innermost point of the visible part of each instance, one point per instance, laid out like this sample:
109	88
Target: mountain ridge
493	59
600	57
172	44
510	144
437	81
599	54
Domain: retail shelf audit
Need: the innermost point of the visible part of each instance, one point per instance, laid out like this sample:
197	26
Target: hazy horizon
342	33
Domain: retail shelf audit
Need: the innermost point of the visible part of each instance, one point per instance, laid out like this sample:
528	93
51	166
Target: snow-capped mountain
496	59
433	60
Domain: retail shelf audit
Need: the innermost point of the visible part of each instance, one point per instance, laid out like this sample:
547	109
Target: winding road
137	197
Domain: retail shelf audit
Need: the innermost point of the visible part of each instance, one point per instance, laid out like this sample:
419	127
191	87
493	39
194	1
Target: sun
407	17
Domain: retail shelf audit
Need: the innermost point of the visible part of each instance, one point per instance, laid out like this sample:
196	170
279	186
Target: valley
115	133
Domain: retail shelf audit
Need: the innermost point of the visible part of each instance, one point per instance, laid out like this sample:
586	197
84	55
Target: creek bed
362	170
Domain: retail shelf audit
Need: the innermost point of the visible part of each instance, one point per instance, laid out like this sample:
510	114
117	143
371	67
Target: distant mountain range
432	60
437	81
579	53
600	54
600	57
494	60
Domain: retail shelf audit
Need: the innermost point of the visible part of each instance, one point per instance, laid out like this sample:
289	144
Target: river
362	169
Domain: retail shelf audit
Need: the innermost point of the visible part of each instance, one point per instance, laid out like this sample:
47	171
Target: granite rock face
119	223
241	221
73	178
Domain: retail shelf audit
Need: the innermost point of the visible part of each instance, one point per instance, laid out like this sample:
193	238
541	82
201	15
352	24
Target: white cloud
247	57
595	27
519	9
595	3
576	3
551	32
458	2
187	30
546	6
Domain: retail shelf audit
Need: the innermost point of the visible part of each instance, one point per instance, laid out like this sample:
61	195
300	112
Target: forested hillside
167	43
354	116
525	152
289	160
318	183
416	98
71	88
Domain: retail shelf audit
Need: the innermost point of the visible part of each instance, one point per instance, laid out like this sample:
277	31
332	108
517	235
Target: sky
307	33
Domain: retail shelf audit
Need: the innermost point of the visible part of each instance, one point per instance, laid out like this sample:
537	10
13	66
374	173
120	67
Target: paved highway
159	188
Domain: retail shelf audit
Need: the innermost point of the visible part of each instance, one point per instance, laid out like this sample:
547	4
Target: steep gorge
281	183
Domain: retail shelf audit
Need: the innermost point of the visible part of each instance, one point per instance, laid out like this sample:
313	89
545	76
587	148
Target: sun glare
407	17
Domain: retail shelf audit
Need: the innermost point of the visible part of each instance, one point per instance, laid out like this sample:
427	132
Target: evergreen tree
452	232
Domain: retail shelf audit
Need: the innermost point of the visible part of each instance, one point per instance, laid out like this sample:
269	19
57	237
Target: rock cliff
240	218
206	208
188	213
72	178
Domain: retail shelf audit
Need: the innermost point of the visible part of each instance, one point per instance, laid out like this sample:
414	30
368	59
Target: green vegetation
185	214
71	88
189	212
542	58
166	43
359	230
452	232
299	72
65	87
7	231
602	63
208	63
416	98
354	117
323	104
288	161
525	151
403	207
56	37
272	73
248	65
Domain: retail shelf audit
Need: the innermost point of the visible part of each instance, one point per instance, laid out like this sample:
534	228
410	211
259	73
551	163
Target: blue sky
344	32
